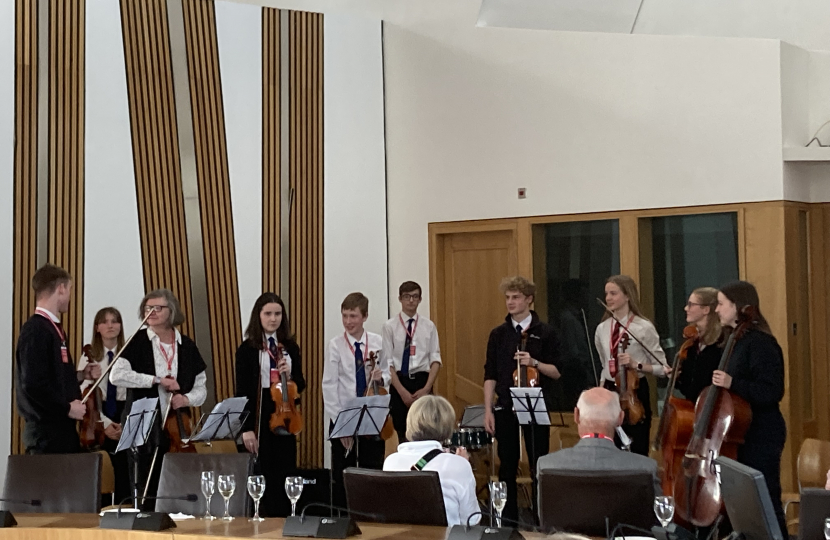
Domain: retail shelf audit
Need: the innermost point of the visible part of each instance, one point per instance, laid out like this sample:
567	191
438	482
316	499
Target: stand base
672	532
7	519
479	532
320	527
137	521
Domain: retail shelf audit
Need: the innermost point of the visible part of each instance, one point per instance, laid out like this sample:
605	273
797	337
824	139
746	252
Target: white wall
113	274
354	191
239	36
6	225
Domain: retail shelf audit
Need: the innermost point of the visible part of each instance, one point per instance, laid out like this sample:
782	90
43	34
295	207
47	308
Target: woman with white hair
431	420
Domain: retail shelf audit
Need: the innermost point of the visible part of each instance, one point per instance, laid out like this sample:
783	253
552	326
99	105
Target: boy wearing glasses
410	346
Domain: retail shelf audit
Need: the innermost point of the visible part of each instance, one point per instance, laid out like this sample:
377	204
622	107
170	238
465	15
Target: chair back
181	475
583	501
63	483
813	463
107	474
377	496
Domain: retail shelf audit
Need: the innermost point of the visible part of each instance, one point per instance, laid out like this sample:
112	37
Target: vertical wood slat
66	155
25	179
156	151
214	189
271	201
306	235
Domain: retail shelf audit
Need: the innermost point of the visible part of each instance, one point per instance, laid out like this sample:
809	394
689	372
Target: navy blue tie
360	372
407	347
272	346
112	393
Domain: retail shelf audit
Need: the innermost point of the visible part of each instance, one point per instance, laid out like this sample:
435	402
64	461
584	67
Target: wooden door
470	267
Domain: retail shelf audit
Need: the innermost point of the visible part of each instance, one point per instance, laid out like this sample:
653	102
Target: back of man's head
598	411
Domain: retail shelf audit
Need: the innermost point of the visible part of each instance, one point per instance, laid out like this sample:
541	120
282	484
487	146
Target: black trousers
120	464
370	452
277	461
640	432
537	444
766	458
397	408
51	438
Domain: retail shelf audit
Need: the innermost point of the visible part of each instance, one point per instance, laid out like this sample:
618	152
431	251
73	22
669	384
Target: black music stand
136	433
362	416
224	422
530	408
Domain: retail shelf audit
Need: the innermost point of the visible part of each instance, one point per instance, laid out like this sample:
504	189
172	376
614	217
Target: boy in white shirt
346	375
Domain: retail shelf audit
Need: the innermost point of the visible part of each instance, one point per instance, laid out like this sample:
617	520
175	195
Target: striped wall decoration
306	233
271	200
25	179
214	190
156	151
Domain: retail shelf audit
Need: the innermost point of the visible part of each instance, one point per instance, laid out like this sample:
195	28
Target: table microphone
143	521
6	517
325	527
477	532
189	497
27	502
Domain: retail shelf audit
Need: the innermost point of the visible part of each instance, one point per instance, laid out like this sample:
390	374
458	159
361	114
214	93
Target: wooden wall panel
214	190
66	156
306	235
25	179
271	201
156	151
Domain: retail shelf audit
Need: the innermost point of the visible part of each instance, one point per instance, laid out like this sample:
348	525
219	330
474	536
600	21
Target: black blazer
696	370
247	379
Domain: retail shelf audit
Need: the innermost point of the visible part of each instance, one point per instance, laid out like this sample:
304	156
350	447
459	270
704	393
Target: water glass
827	528
256	489
293	489
498	495
664	509
226	485
208	486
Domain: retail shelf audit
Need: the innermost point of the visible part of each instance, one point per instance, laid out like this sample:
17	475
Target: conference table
85	527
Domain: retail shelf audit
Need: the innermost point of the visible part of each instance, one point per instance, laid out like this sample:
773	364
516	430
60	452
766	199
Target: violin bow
611	313
590	346
114	358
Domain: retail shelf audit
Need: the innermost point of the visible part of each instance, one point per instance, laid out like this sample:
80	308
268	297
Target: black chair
63	483
181	475
385	496
581	501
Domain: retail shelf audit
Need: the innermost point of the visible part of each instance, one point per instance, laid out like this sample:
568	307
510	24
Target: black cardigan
45	385
247	379
696	370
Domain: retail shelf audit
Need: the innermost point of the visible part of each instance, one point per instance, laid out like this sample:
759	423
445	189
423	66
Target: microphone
6	517
143	521
375	517
27	502
189	497
325	527
478	532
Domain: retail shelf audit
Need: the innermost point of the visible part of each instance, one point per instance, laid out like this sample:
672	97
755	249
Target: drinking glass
208	486
227	485
664	509
498	494
294	488
827	528
256	489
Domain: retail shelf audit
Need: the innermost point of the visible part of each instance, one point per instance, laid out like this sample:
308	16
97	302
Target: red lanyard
597	436
414	327
168	359
268	350
619	336
43	313
349	343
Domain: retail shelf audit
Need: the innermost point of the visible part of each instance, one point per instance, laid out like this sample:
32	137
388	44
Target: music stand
224	422
362	416
136	432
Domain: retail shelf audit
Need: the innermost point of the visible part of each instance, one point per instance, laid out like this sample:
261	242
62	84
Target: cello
677	421
286	416
376	389
721	422
91	430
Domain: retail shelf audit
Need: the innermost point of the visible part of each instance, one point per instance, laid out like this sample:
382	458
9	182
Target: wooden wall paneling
25	181
306	222
820	322
271	119
214	190
156	151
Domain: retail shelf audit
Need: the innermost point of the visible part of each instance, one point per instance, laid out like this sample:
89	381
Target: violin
376	389
179	427
91	430
721	422
628	382
525	376
286	415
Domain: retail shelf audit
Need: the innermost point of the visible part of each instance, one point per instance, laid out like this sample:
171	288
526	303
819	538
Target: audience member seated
430	421
597	414
827	485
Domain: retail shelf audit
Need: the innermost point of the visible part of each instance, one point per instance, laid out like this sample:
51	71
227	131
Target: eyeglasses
690	304
410	296
157	309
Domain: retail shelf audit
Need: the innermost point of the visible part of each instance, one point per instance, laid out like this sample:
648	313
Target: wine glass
498	494
208	486
227	485
664	509
294	488
256	489
827	528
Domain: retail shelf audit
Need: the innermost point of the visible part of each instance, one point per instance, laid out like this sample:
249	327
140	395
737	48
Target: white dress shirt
120	393
455	473
339	382
265	362
425	339
641	328
525	323
122	373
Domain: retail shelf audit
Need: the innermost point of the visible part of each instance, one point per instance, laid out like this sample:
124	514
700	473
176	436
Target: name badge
64	355
275	375
411	350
